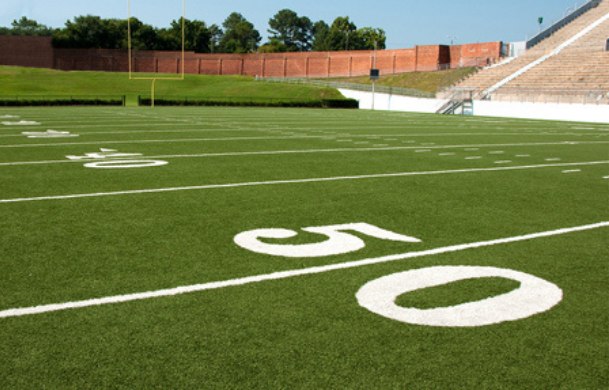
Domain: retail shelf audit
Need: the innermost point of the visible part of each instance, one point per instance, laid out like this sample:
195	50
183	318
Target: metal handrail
383	71
556	91
352	86
559	22
534	94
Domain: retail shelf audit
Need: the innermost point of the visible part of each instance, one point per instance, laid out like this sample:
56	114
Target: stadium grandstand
566	63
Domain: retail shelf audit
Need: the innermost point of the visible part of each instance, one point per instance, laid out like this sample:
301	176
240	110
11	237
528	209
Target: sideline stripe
296	181
285	274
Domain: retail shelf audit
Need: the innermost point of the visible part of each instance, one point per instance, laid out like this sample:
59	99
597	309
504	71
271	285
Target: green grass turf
308	331
32	81
422	81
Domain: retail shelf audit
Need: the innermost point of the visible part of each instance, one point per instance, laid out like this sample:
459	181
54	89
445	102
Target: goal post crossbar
130	50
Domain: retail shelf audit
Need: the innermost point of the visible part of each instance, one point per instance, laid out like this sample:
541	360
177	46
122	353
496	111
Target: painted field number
113	159
117	164
337	242
534	295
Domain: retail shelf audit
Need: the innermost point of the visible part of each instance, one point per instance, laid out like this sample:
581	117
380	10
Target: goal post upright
129	44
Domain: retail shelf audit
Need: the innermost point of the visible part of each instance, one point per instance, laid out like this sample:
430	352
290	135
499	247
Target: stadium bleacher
571	66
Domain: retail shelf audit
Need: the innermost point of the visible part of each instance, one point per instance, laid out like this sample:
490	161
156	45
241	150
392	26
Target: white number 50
338	242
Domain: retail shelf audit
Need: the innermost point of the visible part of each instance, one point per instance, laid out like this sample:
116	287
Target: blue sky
406	22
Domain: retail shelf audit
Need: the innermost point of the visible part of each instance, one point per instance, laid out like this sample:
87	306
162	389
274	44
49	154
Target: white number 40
338	241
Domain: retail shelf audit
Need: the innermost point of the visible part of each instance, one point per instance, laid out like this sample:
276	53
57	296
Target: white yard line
284	151
245	127
295	181
160	141
285	274
304	151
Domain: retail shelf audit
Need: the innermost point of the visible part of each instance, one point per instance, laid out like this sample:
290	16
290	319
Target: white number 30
337	243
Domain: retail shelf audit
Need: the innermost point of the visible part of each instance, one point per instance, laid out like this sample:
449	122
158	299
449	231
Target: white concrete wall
386	102
550	111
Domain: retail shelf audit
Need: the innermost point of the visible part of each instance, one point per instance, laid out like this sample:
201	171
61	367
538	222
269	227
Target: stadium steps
557	62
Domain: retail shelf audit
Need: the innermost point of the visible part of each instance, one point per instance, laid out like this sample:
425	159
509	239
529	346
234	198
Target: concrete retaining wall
548	111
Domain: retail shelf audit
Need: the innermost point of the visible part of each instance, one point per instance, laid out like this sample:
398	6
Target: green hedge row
324	103
61	102
340	103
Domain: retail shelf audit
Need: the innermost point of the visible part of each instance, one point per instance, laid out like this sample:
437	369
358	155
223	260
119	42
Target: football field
243	248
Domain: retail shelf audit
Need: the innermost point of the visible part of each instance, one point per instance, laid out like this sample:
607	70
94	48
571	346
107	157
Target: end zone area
102	203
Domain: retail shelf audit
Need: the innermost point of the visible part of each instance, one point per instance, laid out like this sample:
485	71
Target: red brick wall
455	56
94	59
34	52
475	54
430	57
318	64
37	52
405	60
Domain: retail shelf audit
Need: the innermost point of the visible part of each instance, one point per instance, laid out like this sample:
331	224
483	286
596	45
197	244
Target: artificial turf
70	233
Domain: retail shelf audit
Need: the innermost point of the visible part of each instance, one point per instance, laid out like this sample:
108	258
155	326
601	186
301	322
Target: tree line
288	32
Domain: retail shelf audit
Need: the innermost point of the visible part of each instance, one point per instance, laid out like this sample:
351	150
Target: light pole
374	80
374	75
451	39
347	42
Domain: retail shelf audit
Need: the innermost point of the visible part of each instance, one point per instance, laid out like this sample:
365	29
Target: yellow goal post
155	78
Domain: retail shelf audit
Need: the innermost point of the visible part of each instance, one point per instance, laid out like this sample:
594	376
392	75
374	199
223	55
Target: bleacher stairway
572	65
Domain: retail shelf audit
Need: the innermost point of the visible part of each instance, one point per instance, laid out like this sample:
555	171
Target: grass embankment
31	81
422	81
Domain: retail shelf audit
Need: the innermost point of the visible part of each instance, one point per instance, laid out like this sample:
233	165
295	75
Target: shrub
251	102
44	101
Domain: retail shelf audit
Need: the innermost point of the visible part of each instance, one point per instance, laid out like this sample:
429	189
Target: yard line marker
101	142
296	181
572	171
473	158
286	274
295	151
160	141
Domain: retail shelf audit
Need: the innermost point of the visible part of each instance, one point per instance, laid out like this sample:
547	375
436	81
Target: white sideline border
298	181
285	274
